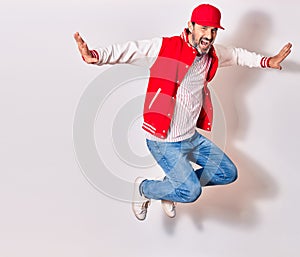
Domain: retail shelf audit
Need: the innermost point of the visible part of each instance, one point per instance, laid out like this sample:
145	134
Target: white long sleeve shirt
189	94
145	52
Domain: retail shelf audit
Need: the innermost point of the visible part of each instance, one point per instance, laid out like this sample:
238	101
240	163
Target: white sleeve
141	53
229	56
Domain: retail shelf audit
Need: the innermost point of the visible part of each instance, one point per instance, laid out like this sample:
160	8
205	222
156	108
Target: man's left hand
276	60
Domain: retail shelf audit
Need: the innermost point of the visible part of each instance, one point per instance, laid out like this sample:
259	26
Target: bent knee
189	194
232	174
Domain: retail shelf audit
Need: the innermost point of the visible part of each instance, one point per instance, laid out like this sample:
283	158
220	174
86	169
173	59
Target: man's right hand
84	50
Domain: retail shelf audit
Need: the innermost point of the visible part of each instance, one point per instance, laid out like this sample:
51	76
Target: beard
203	45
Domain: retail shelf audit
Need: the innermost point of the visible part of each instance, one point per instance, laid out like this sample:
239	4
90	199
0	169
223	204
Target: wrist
92	54
265	62
95	54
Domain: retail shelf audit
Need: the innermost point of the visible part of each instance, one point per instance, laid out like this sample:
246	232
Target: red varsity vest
174	59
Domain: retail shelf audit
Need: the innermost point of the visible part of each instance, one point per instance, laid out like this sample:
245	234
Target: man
178	101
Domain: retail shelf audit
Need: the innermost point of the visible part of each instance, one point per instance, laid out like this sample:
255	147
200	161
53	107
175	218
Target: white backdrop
48	207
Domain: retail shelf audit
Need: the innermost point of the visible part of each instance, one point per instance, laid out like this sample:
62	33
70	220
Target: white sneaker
169	208
139	202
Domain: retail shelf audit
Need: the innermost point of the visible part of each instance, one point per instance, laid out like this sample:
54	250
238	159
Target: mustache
206	39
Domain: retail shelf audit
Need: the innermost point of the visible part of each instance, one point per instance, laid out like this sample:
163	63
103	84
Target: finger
285	54
76	34
81	49
80	42
82	46
85	50
277	66
78	38
286	48
289	45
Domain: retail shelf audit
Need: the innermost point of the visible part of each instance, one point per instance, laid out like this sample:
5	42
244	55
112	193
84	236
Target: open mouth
205	42
203	45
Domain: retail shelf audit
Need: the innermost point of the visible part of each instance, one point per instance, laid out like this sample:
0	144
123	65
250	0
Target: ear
190	26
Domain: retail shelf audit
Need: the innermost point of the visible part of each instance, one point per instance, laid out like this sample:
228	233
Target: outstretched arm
86	54
141	52
229	56
275	61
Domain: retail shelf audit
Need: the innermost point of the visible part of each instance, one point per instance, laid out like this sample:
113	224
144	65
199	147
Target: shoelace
174	205
145	206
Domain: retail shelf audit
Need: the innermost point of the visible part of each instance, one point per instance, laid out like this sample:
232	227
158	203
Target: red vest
174	59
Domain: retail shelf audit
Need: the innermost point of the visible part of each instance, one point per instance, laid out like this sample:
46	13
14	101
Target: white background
47	206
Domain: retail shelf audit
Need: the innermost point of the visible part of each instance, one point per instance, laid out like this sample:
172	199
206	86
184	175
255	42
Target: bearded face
202	37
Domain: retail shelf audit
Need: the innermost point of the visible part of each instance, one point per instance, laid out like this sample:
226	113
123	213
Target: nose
208	34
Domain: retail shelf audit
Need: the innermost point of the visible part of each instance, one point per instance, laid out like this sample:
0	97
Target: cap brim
210	25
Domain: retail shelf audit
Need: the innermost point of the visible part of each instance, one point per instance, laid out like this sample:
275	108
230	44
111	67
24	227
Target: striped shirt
188	102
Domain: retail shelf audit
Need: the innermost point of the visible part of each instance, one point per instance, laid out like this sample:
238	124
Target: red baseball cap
207	15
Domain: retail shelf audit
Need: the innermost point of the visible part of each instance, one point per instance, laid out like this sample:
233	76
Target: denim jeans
181	182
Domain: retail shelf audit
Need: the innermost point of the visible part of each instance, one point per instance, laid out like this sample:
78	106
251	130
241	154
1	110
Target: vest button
187	66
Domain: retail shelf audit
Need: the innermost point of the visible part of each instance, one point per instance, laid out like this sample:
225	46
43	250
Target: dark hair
193	26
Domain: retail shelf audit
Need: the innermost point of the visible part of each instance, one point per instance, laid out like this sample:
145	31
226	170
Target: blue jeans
182	183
